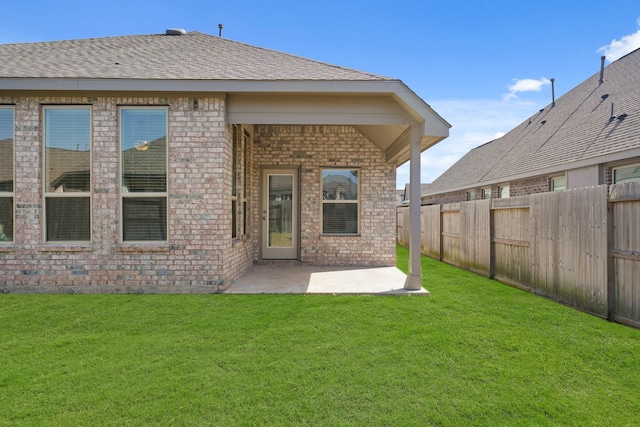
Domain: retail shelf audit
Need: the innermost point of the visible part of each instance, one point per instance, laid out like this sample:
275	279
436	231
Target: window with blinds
143	173
67	173
340	201
6	173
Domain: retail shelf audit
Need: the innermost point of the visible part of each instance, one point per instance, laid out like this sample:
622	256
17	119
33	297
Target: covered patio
295	278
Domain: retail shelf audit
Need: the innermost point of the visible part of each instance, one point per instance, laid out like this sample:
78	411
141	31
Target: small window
6	174
559	183
471	195
67	174
486	193
143	176
239	181
340	201
504	192
629	173
234	181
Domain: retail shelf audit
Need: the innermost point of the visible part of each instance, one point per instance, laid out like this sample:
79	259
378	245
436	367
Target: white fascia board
414	106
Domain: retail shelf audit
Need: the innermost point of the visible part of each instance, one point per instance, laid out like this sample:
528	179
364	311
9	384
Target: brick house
172	162
589	136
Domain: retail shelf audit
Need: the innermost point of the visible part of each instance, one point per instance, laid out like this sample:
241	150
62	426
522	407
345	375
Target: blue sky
483	65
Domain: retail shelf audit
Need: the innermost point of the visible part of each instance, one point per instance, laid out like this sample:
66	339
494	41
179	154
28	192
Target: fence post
611	275
492	246
441	239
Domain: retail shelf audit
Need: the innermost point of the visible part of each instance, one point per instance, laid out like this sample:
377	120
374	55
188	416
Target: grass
475	352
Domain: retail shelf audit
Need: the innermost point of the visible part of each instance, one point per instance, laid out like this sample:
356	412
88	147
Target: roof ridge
292	55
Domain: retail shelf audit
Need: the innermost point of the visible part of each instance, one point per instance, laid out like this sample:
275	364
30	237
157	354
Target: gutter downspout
414	278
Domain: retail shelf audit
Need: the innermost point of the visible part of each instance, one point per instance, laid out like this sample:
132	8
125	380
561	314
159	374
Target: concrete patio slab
304	279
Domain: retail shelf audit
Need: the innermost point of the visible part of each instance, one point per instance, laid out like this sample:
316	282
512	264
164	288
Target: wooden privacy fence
580	247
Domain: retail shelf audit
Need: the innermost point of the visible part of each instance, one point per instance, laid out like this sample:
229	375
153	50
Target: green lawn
476	352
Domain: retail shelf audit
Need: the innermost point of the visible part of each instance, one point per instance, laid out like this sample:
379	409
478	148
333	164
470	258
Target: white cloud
524	85
619	48
474	122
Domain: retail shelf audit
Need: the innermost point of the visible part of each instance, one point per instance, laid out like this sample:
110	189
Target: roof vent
175	32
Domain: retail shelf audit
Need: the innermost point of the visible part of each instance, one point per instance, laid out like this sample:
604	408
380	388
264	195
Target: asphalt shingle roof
192	56
577	128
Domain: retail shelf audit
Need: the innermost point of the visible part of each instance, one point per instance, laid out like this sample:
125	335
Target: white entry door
280	214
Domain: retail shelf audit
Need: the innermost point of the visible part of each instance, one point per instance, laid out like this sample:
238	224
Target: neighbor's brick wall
199	216
522	187
534	185
311	148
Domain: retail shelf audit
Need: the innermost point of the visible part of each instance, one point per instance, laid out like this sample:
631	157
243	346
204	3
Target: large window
629	173
143	165
67	173
6	174
340	201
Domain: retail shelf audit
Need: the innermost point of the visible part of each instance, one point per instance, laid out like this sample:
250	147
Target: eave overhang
382	110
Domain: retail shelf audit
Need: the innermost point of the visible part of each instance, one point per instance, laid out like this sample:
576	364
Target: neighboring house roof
424	189
578	131
262	86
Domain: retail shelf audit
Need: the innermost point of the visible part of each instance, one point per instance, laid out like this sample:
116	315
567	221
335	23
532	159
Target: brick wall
524	187
311	148
198	217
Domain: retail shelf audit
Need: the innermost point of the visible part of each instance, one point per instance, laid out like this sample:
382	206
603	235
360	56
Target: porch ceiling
383	118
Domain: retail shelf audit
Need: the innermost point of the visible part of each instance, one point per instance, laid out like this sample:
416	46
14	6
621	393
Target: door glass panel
280	227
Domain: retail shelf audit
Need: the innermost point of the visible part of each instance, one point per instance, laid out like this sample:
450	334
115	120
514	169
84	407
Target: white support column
414	279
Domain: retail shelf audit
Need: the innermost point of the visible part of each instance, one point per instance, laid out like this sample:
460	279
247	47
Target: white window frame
331	201
615	169
46	194
501	190
554	179
11	194
486	192
124	194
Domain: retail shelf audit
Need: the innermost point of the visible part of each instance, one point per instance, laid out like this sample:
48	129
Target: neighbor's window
6	173
629	173
143	165
486	193
504	191
558	183
340	201
67	173
471	195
